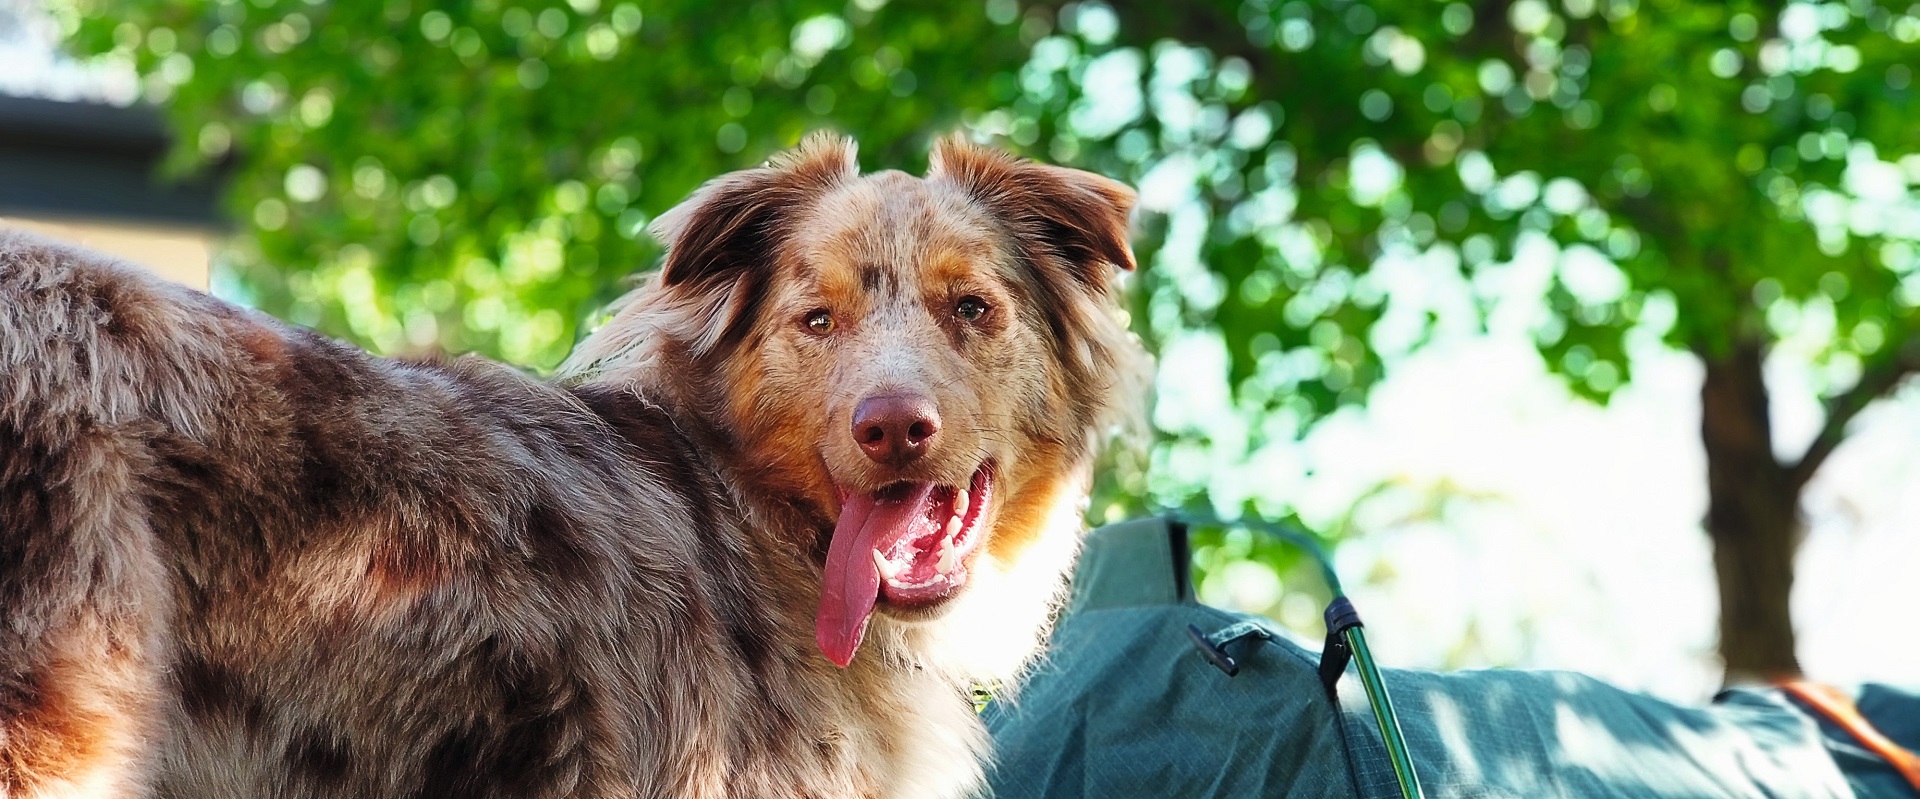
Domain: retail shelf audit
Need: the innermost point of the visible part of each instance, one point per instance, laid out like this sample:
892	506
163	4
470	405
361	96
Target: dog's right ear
738	220
1080	217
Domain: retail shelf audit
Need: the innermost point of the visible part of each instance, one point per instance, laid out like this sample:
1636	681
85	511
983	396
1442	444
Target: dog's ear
738	219
1078	216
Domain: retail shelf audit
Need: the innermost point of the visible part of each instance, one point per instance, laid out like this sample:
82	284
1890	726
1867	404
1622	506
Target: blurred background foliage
1325	185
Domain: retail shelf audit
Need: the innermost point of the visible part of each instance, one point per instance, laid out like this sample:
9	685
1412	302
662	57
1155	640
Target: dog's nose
895	429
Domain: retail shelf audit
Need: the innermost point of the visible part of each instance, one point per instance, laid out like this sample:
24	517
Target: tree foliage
1325	182
1718	172
477	176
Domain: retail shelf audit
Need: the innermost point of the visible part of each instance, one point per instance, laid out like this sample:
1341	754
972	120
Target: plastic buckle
1214	647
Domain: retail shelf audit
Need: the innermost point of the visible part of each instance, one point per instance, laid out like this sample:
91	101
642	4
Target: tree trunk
1753	518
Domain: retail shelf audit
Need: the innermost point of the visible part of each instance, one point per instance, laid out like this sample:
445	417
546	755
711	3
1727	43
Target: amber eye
970	308
819	321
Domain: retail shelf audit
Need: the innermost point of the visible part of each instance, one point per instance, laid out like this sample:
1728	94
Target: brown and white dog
819	475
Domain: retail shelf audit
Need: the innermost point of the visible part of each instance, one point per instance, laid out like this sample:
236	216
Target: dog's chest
925	738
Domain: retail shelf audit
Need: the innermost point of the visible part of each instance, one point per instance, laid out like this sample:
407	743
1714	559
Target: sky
32	66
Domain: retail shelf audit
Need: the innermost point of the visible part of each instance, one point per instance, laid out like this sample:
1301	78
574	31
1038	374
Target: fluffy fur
238	559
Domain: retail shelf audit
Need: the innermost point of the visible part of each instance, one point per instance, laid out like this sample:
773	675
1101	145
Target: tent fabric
1124	705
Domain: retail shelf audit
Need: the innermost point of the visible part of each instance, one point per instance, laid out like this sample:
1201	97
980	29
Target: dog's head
928	361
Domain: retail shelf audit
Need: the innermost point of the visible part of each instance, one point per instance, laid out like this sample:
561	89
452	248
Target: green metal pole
1376	687
1383	714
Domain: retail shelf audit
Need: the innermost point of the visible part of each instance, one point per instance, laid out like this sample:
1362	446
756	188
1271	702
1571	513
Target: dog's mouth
907	543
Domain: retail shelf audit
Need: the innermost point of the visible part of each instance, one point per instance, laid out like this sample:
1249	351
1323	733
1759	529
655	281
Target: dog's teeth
949	557
953	529
961	501
888	569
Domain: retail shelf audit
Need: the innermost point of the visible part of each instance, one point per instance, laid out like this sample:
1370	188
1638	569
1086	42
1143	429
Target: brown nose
895	429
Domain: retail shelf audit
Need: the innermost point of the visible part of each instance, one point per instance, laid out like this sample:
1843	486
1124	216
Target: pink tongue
852	583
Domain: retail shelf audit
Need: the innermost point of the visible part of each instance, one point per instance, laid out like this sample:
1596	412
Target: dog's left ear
1079	216
722	241
737	220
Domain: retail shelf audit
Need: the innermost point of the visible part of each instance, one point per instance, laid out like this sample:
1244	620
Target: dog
818	475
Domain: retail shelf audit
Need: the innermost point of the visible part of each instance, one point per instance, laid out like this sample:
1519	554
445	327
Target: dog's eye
820	321
970	308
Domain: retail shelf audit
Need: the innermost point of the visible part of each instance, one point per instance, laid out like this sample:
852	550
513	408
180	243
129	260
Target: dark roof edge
95	160
85	125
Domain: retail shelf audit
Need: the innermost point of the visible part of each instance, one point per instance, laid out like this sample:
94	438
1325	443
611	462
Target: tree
1732	173
476	176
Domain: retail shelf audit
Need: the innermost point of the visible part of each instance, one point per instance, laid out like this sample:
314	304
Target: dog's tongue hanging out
852	583
909	539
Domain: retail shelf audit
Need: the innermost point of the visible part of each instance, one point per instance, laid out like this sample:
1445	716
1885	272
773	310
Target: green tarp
1124	705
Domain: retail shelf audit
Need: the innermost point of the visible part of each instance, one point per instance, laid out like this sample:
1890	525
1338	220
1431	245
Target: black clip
1215	655
1334	656
1214	647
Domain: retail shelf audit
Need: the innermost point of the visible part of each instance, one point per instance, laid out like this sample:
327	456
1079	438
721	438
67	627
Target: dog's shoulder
656	447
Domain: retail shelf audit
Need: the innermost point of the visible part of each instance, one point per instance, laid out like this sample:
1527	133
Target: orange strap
1838	708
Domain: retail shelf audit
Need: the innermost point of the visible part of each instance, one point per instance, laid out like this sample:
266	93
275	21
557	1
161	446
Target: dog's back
318	573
